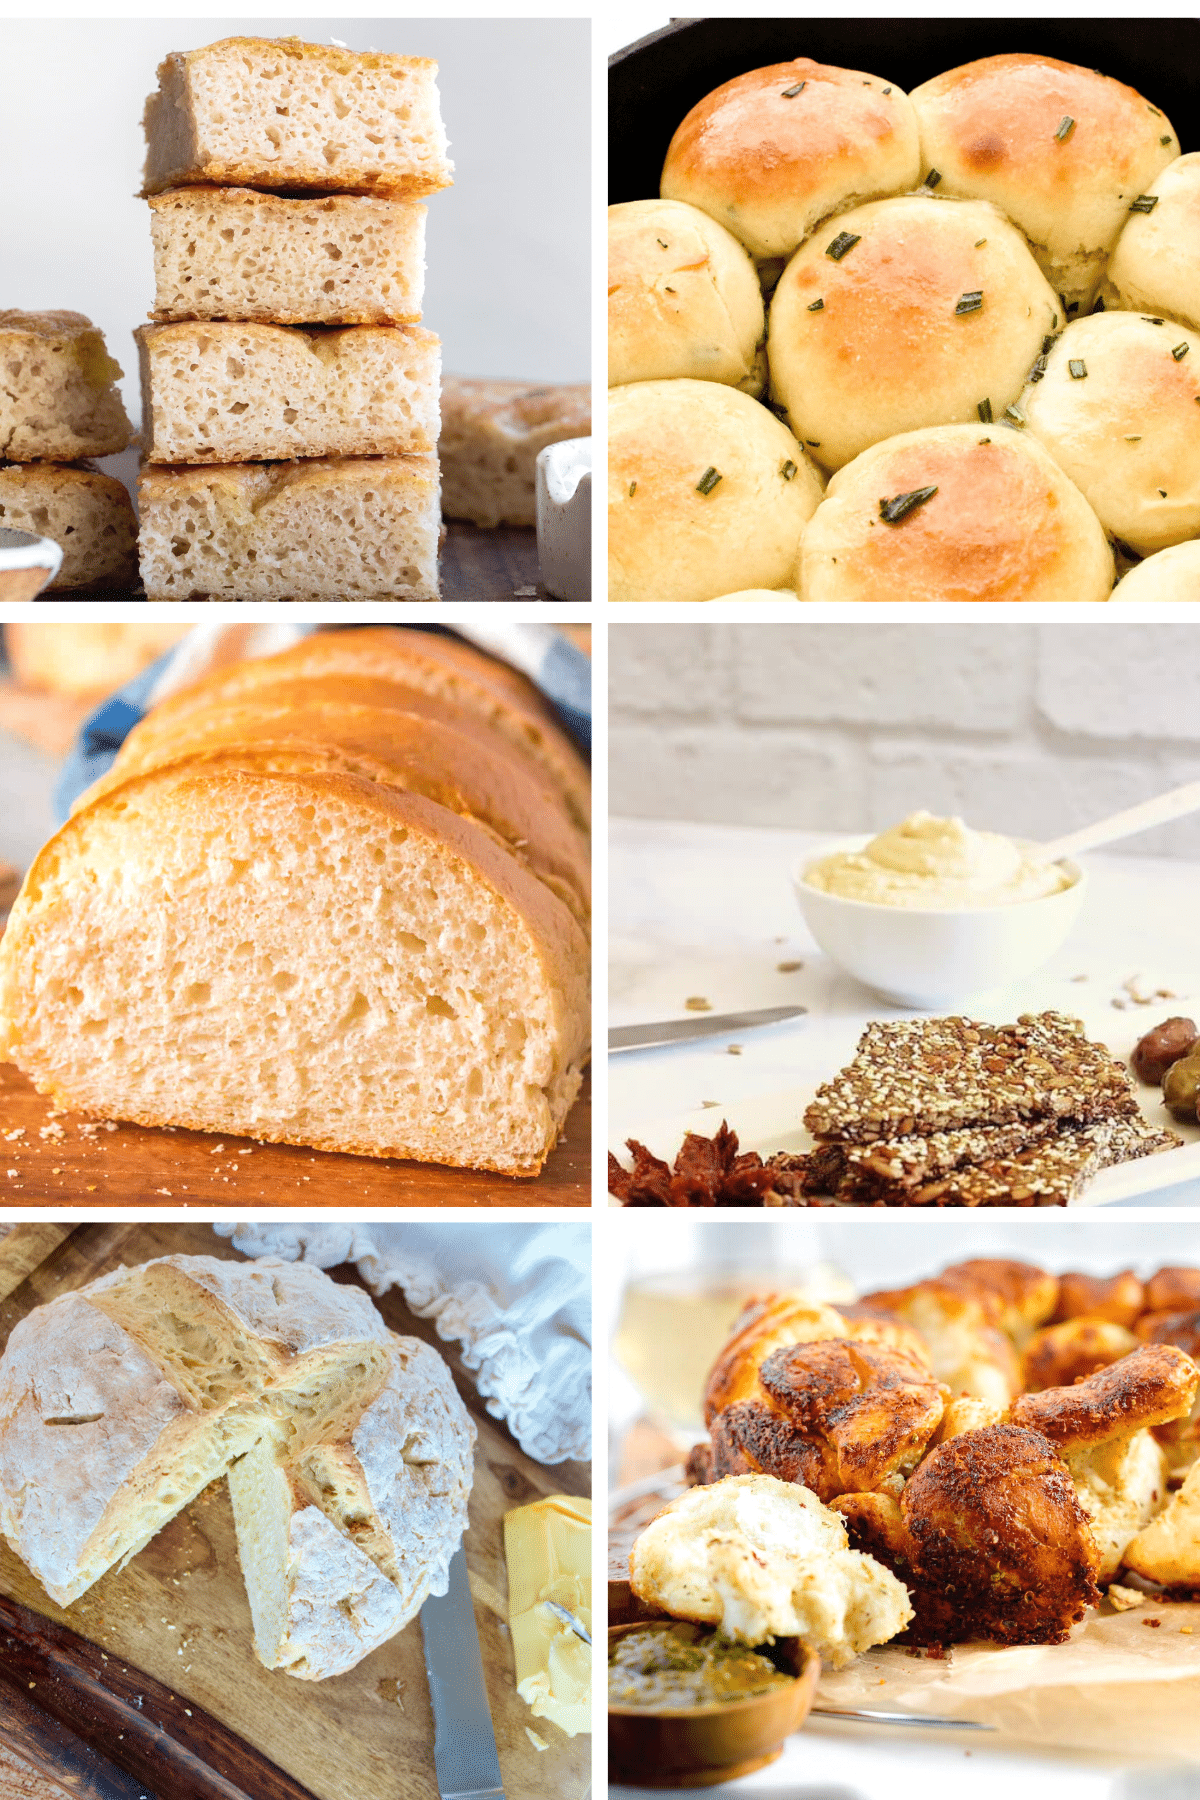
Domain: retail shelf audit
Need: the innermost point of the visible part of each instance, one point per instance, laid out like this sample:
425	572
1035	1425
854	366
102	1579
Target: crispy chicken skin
988	1536
1120	1298
834	1415
1027	1294
1062	1354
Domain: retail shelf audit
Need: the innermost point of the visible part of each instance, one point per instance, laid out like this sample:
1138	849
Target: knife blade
676	1031
890	1718
464	1744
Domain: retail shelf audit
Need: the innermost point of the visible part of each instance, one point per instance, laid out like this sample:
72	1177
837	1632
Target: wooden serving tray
64	1160
178	1611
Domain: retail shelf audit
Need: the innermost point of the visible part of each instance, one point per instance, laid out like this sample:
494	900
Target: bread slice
441	667
89	515
492	432
280	113
234	253
362	529
216	393
309	959
57	398
495	786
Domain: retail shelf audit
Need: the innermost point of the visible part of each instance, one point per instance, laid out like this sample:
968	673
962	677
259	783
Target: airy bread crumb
57	398
88	514
492	432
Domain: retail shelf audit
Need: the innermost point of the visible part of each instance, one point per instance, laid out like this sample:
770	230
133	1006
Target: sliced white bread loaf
235	253
89	515
444	668
314	959
57	393
492	432
362	529
225	393
120	1402
496	787
279	113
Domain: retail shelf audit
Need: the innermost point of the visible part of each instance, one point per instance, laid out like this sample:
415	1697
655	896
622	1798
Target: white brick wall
1020	728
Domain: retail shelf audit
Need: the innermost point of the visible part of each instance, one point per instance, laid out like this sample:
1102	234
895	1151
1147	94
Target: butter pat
548	1549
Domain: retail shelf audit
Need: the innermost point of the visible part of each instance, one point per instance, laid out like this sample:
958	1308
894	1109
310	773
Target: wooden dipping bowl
699	1746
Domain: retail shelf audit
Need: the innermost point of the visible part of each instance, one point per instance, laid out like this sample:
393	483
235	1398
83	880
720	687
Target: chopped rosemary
1078	368
1180	351
1146	321
787	469
664	246
1164	140
1134	440
971	302
980	242
815	443
1065	129
632	489
1145	203
932	179
1039	368
984	409
844	241
1163	492
1154	110
708	481
985	440
1015	414
817	306
667	290
887	90
1048	343
1054	322
892	511
790	93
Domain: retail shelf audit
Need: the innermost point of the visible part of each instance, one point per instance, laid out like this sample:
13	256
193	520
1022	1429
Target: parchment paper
1119	1684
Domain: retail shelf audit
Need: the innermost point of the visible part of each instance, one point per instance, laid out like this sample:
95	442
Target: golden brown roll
901	314
1073	1349
967	1347
1156	264
1027	1294
1172	574
1062	150
1151	1386
1117	409
707	492
771	152
1172	1289
683	299
1002	523
1120	1298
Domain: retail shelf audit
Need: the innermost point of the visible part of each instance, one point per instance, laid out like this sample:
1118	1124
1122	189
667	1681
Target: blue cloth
551	661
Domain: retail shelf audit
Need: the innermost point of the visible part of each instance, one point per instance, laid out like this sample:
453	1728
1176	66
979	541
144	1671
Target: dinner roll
1156	264
1172	574
771	152
904	313
1064	151
683	298
1002	523
1118	406
707	492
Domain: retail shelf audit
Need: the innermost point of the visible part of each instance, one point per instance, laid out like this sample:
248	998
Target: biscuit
1118	407
1002	522
708	492
773	151
683	299
234	253
1064	151
57	398
89	515
1155	267
353	530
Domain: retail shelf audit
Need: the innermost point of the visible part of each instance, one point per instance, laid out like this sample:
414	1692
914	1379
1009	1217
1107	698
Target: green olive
1181	1087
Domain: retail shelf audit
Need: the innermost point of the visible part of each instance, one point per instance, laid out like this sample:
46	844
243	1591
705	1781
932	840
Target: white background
508	246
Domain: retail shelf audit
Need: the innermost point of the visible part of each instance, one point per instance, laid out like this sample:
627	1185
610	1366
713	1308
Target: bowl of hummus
931	911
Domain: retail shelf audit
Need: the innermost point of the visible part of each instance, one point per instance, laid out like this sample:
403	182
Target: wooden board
64	1160
179	1610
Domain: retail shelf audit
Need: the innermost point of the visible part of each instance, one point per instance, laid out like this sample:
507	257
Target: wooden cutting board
63	1160
178	1611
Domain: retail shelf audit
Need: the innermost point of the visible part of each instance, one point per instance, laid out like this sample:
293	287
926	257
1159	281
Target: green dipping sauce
686	1665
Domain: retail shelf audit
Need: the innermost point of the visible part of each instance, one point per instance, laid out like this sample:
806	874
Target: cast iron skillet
653	83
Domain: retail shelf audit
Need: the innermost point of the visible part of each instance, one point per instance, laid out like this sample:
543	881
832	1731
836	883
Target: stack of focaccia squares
290	396
59	406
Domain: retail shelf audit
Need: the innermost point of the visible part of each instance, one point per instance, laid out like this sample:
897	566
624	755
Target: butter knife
677	1031
464	1743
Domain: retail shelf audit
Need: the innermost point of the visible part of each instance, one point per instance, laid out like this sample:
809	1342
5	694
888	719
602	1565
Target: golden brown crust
1152	1385
1072	1350
1120	1298
1172	1288
1180	1327
1026	1293
773	1323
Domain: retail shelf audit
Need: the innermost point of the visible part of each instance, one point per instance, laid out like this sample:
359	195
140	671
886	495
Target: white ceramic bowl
934	959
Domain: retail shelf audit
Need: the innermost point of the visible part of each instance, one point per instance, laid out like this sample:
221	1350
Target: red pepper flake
1154	1622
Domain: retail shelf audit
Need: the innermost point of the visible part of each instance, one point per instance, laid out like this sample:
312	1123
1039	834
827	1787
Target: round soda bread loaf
348	1449
1002	522
774	151
1119	409
683	298
300	958
905	313
708	492
1155	267
1063	151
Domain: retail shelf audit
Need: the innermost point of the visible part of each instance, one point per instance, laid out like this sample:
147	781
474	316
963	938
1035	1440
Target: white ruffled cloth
517	1298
